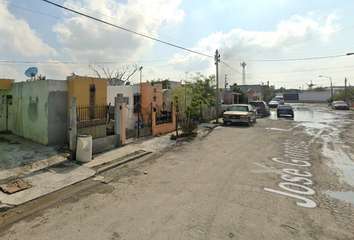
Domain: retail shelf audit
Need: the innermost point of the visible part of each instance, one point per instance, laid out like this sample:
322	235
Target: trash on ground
15	186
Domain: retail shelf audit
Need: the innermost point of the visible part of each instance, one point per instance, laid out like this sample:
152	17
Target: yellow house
87	90
91	102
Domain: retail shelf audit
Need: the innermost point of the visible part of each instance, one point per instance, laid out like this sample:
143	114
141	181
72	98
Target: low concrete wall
97	131
105	143
163	128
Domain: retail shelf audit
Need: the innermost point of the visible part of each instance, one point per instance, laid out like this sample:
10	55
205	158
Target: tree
165	83
319	89
41	77
340	95
114	77
189	99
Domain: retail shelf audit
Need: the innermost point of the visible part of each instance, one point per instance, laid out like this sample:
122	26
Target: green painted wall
30	110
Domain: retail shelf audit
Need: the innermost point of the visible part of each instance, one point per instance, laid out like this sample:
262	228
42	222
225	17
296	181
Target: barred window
137	100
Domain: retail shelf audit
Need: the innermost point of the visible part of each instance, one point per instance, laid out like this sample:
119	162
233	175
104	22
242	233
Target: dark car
262	108
340	105
285	111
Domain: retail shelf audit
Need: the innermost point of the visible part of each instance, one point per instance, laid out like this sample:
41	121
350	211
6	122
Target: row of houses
42	111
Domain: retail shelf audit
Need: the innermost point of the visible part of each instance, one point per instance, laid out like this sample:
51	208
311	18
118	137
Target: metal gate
138	121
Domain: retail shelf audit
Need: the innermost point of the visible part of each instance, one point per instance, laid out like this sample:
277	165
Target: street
277	179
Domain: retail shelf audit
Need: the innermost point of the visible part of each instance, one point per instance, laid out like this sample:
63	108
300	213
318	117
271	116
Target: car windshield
340	103
257	104
285	107
238	108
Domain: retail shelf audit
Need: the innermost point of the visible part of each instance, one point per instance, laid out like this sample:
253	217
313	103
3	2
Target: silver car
240	113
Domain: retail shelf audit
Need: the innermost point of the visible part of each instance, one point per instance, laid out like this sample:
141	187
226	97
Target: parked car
274	103
240	113
262	108
280	99
285	111
340	105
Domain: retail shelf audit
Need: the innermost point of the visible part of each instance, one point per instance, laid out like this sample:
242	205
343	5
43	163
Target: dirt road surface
278	179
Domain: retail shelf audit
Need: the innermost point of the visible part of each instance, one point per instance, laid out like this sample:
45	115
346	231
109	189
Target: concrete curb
113	165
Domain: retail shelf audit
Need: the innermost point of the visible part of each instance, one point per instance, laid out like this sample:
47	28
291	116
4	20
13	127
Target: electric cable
128	30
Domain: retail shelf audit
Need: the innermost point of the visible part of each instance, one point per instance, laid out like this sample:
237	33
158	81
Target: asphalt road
278	179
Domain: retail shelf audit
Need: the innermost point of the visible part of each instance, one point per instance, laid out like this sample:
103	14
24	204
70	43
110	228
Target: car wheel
249	122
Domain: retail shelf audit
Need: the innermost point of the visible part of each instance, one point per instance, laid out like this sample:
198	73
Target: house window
137	103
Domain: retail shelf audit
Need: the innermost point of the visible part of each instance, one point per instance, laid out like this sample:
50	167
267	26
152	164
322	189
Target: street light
331	85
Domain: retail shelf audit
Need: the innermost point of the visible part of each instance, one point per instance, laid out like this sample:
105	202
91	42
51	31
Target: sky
288	43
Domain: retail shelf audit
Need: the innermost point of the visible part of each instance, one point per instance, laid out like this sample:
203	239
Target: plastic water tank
84	148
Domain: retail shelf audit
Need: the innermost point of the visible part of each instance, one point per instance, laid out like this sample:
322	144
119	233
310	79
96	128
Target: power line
292	59
125	29
70	2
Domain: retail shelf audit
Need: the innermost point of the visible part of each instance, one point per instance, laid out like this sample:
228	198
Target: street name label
296	182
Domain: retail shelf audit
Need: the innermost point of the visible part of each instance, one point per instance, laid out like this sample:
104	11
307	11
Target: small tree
341	95
189	99
119	74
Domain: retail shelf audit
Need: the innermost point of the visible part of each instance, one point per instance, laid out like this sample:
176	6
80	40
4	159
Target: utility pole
345	89
217	60
243	65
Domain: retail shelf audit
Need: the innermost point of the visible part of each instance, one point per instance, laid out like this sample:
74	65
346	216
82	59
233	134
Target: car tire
249	122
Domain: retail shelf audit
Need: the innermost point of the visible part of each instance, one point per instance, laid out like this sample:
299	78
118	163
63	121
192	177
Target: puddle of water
341	161
278	129
346	196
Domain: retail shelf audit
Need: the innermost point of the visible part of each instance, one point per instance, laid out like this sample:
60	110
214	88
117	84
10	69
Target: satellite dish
31	72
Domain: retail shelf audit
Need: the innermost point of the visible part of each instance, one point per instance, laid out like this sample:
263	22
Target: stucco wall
58	115
127	91
80	88
6	83
40	111
314	96
30	110
147	94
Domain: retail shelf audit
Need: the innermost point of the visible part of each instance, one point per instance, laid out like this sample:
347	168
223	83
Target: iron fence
163	114
88	116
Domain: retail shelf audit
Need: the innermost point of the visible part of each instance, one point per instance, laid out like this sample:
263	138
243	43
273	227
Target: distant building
253	92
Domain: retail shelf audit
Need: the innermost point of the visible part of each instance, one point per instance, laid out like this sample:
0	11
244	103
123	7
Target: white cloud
17	34
53	69
89	40
239	44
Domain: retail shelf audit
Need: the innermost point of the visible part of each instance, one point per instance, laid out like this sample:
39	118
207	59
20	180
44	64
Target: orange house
151	94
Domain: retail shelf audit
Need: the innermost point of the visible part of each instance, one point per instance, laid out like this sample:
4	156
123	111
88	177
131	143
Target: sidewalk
47	171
